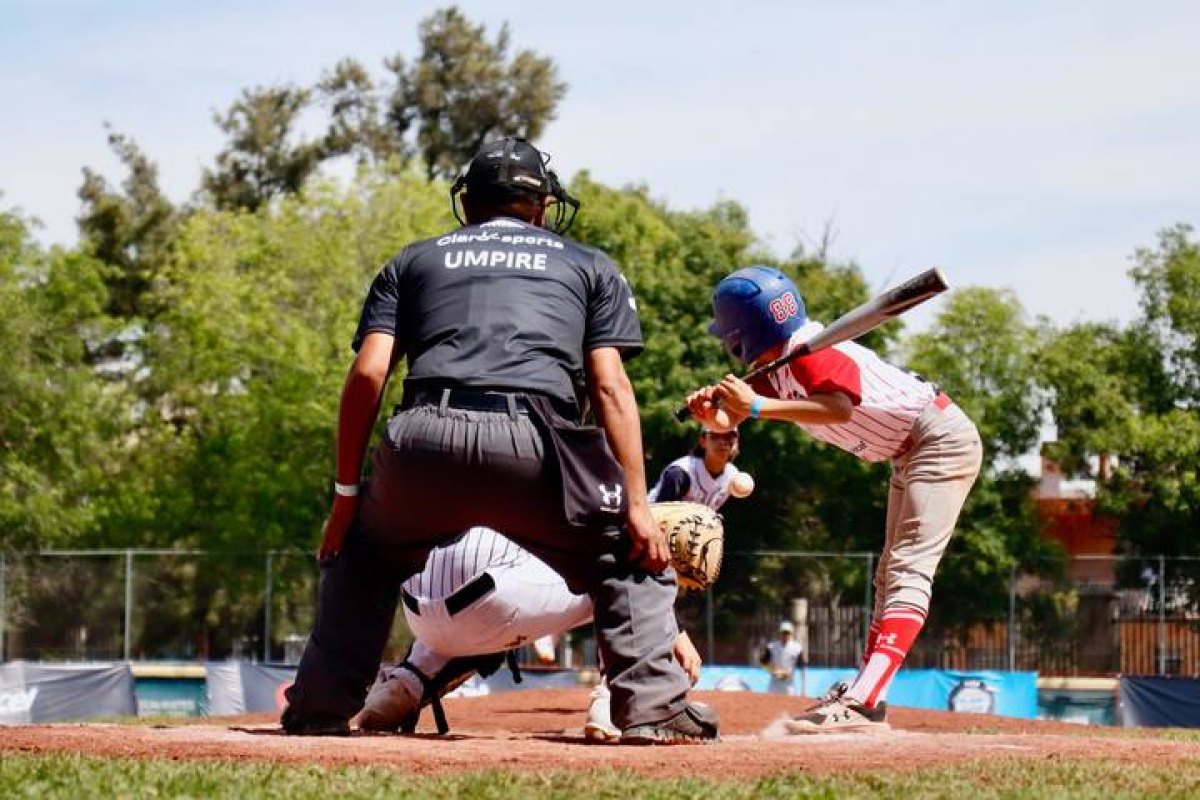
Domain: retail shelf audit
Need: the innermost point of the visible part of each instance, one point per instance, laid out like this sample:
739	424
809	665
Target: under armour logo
610	499
889	639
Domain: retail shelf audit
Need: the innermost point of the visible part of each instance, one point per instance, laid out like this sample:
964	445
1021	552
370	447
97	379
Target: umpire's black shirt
501	305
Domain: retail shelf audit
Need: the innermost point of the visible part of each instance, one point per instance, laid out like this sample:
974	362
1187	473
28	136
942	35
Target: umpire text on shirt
489	316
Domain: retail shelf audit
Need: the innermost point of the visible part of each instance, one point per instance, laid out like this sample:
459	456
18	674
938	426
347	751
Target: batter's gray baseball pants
928	488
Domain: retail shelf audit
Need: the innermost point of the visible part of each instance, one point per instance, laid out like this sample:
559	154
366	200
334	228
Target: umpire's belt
466	594
511	403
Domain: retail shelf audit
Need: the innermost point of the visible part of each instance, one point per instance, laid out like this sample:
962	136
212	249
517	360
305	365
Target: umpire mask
508	167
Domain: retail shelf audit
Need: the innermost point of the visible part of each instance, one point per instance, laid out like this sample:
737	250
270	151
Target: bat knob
683	414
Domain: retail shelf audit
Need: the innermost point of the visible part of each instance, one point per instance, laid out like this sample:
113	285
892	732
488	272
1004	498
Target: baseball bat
854	323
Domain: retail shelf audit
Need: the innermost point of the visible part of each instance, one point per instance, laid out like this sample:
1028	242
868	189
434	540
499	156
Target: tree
246	364
982	353
1169	278
264	157
130	230
463	90
58	421
1085	371
358	125
1133	398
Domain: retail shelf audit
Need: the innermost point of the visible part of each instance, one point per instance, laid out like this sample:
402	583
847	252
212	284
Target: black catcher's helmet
512	166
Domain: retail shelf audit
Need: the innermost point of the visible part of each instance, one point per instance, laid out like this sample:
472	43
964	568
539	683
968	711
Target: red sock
898	629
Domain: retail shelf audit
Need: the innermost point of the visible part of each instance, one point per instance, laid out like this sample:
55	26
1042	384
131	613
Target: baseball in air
741	485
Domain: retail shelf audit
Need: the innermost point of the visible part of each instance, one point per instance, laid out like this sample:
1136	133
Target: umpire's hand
649	542
337	525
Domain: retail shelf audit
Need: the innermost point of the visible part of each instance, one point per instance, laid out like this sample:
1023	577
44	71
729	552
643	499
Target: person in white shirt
782	657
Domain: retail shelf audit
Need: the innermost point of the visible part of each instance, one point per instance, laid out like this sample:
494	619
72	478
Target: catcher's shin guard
455	673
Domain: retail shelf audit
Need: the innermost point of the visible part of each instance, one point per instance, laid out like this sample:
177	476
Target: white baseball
741	485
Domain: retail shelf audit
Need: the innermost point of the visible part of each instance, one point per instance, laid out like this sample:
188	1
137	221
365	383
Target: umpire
508	330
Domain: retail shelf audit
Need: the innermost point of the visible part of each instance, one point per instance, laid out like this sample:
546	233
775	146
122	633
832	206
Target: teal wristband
756	406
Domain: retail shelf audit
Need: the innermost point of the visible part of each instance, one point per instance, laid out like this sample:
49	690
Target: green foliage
981	352
1169	278
68	776
1090	397
463	90
249	358
358	124
1131	397
264	157
57	426
129	230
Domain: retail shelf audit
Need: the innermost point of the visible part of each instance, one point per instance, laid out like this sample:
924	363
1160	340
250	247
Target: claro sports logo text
503	238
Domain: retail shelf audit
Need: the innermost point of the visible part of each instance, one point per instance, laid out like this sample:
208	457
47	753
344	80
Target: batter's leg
937	478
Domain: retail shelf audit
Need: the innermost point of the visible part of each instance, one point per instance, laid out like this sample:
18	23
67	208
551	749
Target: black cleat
696	724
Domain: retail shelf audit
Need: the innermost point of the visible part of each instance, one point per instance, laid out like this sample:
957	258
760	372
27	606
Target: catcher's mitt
696	539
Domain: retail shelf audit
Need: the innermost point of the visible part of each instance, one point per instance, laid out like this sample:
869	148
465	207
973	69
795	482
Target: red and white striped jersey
461	560
887	399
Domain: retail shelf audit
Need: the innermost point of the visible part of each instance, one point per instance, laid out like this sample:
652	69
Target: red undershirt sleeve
828	371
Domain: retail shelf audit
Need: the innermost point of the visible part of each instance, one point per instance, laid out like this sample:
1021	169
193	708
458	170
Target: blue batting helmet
755	308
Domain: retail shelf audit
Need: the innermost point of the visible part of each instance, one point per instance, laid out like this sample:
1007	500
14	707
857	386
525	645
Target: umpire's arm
616	409
361	396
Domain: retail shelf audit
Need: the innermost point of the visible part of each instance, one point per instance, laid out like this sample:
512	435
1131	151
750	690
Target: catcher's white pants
530	601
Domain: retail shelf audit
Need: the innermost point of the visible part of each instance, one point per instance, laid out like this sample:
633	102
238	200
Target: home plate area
541	730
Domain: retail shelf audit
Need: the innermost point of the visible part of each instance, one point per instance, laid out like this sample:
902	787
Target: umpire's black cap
509	164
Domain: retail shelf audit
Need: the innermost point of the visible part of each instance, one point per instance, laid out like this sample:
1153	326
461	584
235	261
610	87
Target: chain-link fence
182	605
1085	615
1089	615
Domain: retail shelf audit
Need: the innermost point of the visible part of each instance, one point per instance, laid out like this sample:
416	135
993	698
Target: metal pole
1012	618
267	611
1162	615
710	644
3	603
868	599
128	604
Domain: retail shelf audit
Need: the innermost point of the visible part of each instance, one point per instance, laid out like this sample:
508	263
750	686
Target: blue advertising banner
1008	694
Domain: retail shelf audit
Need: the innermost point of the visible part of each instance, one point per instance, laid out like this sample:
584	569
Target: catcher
482	595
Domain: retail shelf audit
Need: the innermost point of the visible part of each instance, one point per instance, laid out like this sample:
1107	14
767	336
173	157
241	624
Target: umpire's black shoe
319	725
696	724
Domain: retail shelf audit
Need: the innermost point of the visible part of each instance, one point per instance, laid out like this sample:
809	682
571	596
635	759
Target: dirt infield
542	730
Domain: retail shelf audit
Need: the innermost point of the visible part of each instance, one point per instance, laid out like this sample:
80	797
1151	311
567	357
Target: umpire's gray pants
438	472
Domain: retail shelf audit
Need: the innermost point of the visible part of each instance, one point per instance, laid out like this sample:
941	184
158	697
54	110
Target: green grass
28	776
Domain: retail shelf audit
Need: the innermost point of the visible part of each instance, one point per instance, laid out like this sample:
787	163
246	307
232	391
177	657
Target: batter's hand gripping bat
854	323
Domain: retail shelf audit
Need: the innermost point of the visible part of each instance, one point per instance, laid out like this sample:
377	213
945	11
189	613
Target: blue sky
1023	145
